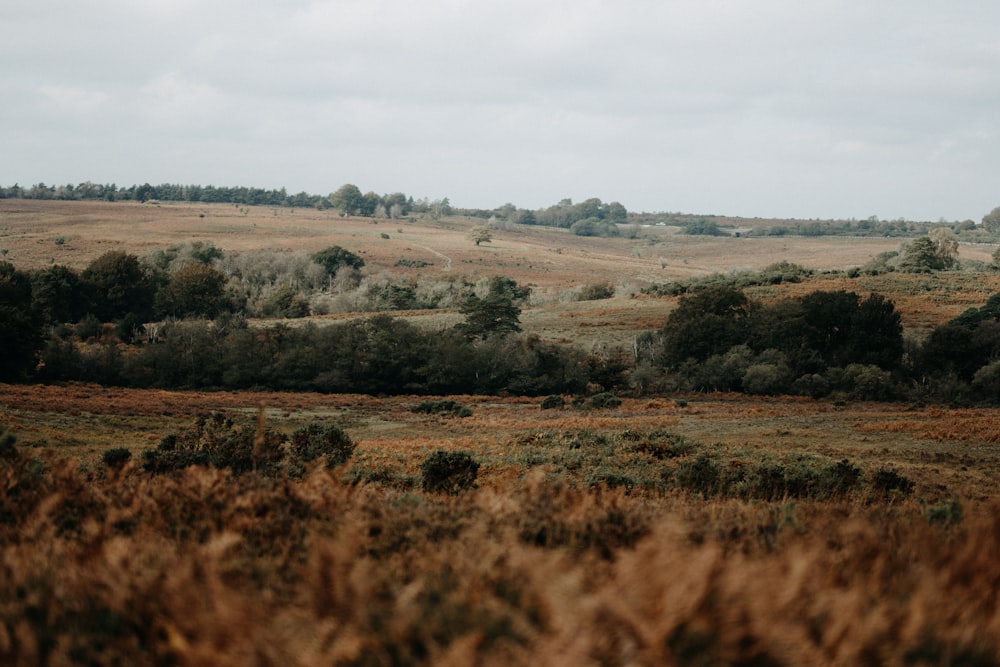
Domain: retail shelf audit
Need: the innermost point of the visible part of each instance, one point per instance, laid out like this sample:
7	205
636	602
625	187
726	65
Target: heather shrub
219	441
116	457
315	440
448	472
603	400
887	483
442	407
553	402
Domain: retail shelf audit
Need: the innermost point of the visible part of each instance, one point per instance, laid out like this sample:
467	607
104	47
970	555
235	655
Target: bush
442	407
603	400
596	292
553	402
886	482
315	440
448	472
220	442
117	457
700	474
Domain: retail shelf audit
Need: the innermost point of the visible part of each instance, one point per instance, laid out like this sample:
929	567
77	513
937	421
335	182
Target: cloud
72	100
827	108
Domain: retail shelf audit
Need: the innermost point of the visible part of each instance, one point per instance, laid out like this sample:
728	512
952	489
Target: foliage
442	407
219	441
20	325
481	234
318	439
925	255
117	285
603	400
706	322
703	227
285	302
596	291
116	457
195	290
553	402
991	221
334	258
493	314
595	227
448	472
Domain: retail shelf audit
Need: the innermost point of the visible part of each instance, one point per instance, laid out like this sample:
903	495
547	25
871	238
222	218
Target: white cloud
708	105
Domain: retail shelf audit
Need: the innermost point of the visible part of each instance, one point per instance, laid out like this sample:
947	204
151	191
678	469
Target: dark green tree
876	335
58	294
117	285
707	322
334	257
924	255
196	290
20	326
496	313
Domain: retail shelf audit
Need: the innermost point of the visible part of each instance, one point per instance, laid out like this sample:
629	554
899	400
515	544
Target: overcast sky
819	109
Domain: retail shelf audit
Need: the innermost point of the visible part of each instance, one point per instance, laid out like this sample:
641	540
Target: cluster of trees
819	344
52	328
377	355
348	199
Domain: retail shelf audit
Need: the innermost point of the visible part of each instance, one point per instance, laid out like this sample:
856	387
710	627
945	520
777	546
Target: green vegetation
448	472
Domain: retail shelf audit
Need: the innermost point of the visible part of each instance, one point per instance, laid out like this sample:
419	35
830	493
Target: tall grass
207	566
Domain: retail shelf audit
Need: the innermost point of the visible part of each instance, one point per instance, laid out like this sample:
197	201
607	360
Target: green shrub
448	472
315	440
596	292
7	440
553	402
700	474
603	400
950	513
442	407
838	479
220	442
117	457
886	482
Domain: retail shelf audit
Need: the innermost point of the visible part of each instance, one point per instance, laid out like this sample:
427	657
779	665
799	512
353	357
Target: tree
991	221
481	234
347	199
494	314
195	290
709	321
118	285
57	293
924	255
20	328
334	258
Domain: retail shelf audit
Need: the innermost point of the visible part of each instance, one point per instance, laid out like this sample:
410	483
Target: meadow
687	529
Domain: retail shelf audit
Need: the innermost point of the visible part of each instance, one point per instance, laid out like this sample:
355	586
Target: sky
769	108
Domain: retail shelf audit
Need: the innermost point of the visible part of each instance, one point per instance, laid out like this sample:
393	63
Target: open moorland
173	526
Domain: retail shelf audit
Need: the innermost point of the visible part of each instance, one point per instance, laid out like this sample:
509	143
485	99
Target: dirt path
446	258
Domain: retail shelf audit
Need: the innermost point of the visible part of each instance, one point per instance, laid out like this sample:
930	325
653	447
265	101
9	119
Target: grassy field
704	529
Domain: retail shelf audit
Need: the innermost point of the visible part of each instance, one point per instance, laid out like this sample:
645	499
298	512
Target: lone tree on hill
480	234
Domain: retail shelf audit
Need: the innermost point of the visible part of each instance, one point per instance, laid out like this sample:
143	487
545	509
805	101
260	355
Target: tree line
116	323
